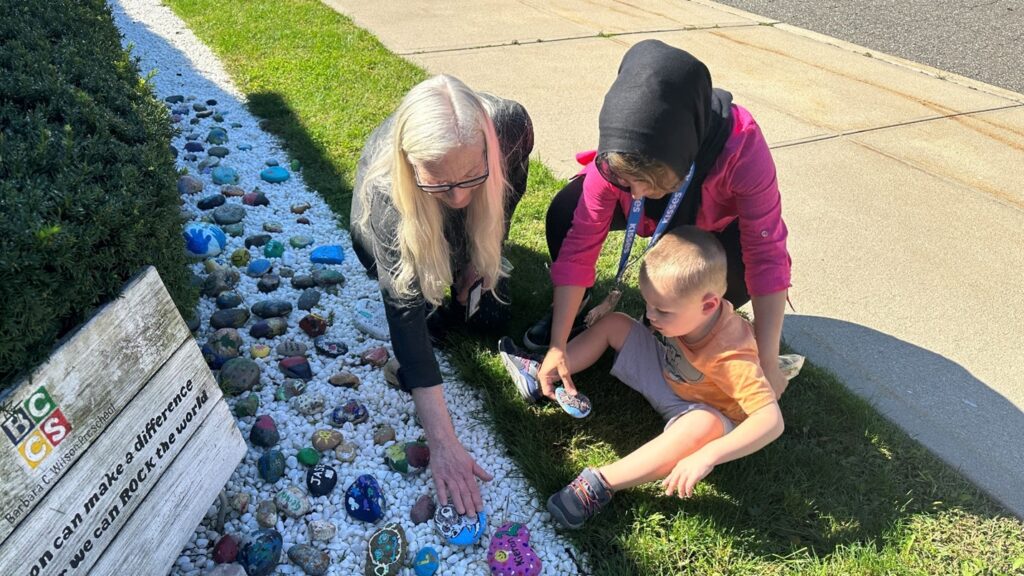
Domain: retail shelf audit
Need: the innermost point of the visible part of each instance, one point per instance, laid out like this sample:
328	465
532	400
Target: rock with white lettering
321	480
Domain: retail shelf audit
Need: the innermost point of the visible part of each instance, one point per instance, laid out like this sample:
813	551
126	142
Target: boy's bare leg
588	347
655	459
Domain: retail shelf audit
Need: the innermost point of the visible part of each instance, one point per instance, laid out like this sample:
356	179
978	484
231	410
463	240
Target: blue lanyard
636	210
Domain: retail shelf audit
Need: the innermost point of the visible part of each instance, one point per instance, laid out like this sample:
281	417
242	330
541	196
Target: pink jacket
741	184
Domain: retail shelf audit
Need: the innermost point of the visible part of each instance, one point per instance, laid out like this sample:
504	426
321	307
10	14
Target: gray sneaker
581	499
522	368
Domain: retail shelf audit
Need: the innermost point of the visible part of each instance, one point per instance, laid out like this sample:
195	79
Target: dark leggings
559	221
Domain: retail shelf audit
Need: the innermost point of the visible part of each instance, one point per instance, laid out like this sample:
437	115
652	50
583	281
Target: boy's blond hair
686	260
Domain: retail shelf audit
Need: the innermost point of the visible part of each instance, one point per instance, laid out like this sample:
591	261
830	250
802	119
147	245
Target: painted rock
292	502
258	268
225	550
271	466
240	502
273	249
332	254
308	457
308	404
458	529
386	551
296	367
264	432
259	351
300	241
291	347
269	328
383	434
273	227
286	272
211	201
266	514
351	411
255	198
510	554
221	346
303	281
230	318
231	191
234	229
422	510
321	479
406	457
203	239
313	325
261	555
426	562
257	240
274	174
247	406
330	348
189	184
346	452
218	151
377	356
312	561
268	283
322	530
325	278
224	175
344	379
217	135
274	309
238	375
300	207
226	300
229	214
577	406
364	500
293	387
219	281
326	439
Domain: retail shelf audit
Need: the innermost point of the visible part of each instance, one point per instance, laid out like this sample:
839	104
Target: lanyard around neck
636	210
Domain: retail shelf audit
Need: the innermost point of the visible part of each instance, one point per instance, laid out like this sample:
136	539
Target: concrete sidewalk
902	189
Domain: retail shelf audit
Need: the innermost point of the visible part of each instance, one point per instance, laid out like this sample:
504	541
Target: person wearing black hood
672	151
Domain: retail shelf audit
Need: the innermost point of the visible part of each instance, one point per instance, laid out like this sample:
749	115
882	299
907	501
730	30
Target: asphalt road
979	39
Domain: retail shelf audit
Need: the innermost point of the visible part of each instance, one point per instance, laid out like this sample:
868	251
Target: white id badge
473	303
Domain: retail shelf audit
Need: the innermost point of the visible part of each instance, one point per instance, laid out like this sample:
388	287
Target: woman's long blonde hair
435	117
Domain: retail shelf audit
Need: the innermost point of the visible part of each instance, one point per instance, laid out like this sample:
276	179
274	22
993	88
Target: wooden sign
113	450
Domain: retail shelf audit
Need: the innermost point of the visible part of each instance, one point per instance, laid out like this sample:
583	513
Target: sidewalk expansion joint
581	37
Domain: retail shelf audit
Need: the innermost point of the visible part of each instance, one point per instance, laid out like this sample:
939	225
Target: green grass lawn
841	492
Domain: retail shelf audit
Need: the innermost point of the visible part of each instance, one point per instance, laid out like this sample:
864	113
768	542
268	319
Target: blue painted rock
225	175
258	268
329	348
364	500
325	278
510	554
269	328
211	201
426	562
261	555
292	502
229	214
312	561
386	551
273	249
264	432
273	309
331	254
296	367
230	318
458	529
238	375
189	184
217	136
204	239
271	466
577	406
255	198
221	346
274	174
321	480
351	411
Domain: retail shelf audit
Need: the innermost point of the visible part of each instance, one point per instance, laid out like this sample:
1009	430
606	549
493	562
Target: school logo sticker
36	427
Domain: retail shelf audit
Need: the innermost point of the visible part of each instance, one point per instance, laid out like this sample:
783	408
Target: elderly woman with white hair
436	187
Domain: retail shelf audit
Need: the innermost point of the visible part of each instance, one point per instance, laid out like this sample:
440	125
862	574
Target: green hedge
87	182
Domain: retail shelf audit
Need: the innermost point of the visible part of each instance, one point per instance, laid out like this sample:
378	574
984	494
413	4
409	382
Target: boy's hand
554	368
686	474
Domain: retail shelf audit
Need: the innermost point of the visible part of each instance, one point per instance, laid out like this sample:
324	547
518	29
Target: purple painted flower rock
321	480
426	563
221	346
330	348
296	367
313	325
376	357
422	510
269	328
271	466
255	198
326	439
312	561
363	499
258	268
225	550
332	254
351	411
189	184
264	432
386	551
510	554
273	309
292	502
261	555
344	379
458	529
274	174
238	375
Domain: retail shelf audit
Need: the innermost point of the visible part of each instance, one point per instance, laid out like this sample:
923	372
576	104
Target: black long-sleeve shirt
407	317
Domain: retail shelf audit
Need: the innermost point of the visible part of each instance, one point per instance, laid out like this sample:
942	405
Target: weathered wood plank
79	517
154	536
90	378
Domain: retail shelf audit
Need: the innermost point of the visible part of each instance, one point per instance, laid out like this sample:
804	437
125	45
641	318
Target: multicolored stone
510	554
386	551
458	529
364	500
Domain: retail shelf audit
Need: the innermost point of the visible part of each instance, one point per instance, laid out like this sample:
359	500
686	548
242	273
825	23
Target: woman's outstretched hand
455	473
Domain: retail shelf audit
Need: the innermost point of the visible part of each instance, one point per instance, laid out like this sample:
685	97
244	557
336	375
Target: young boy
699	370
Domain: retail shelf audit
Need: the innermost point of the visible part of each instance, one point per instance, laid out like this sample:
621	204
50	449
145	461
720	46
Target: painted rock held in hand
312	561
261	555
510	554
364	500
386	551
296	367
458	529
321	480
577	406
264	432
426	562
292	502
271	466
352	411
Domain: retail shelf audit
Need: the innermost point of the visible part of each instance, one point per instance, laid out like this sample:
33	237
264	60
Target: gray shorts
640	364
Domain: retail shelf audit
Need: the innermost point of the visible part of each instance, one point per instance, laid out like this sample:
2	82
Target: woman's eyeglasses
443	188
